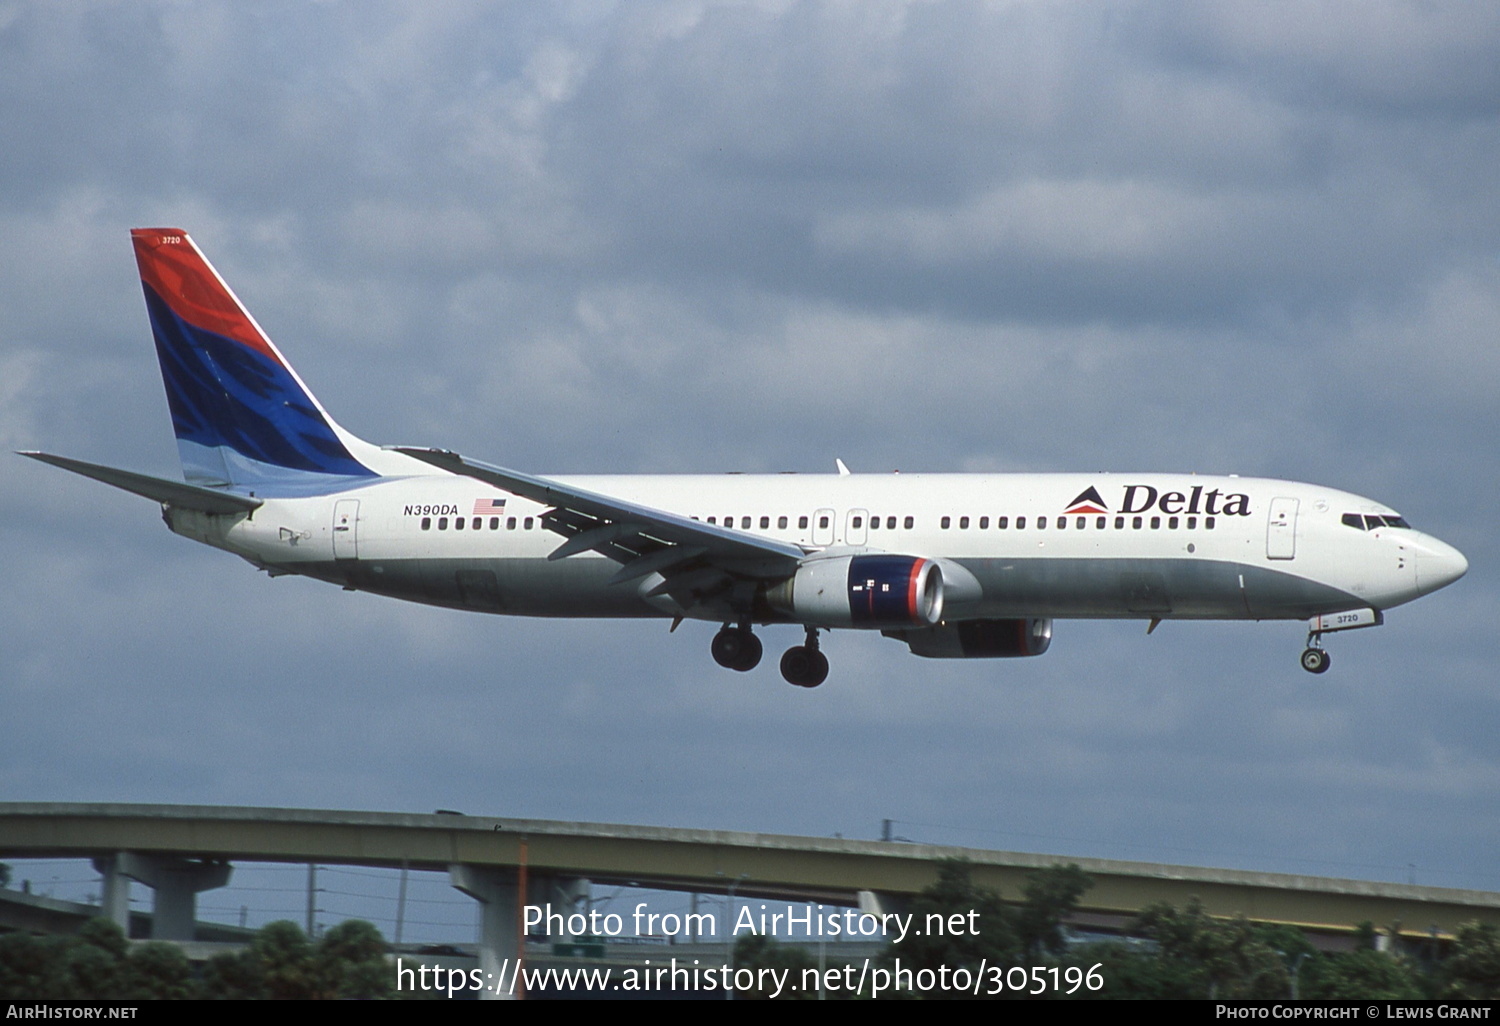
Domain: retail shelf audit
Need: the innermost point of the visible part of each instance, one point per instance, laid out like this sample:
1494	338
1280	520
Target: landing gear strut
1314	659
804	665
736	648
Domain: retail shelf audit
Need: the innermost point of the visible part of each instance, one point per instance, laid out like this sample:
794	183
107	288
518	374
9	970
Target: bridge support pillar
499	923
175	883
565	894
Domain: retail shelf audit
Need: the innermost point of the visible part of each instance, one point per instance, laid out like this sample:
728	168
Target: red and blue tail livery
242	416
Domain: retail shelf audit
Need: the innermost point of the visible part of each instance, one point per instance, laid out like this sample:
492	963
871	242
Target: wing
697	561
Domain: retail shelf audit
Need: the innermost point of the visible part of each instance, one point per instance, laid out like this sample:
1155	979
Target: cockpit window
1370	521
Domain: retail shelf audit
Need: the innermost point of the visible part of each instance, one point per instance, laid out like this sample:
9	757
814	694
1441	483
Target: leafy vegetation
98	963
1173	952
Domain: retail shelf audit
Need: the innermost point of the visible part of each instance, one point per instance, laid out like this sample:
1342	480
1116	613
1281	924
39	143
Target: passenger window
714	521
801	523
458	523
1001	523
963	523
1062	523
1082	523
890	523
494	523
1208	522
1099	524
909	523
1020	523
984	523
1171	523
744	523
765	523
945	523
1119	523
781	523
1041	523
1156	523
874	523
1192	523
442	523
478	523
426	523
1135	523
510	523
527	523
823	523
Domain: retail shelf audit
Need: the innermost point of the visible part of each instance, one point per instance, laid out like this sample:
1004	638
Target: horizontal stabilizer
174	493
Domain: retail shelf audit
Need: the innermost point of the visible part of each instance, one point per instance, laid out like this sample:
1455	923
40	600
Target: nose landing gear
1315	660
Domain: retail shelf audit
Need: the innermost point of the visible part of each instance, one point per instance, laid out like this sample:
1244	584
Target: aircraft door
822	527
346	529
1281	530
855	529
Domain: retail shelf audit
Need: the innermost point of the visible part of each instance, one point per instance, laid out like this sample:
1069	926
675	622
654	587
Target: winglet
843	470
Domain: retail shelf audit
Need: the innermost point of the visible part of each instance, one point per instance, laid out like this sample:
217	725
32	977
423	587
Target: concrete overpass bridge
180	850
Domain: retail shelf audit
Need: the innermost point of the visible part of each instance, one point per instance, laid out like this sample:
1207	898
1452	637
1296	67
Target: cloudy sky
692	236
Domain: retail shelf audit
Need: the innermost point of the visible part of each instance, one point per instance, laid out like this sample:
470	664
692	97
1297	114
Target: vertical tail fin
242	415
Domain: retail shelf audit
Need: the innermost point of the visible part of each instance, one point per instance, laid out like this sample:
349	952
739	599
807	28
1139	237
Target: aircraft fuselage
1158	546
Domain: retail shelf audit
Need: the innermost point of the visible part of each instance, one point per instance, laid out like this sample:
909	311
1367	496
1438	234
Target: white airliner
954	565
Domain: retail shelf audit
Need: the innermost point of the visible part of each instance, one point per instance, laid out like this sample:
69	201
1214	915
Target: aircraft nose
1438	564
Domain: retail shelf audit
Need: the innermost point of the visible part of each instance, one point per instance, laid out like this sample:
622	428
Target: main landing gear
737	648
804	665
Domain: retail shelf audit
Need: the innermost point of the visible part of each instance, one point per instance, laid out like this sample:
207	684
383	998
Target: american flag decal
482	507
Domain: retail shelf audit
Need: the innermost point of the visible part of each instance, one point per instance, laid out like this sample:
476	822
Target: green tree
1226	958
92	962
987	929
157	972
286	961
1361	975
28	966
1131	972
757	951
350	962
1472	969
234	976
1051	896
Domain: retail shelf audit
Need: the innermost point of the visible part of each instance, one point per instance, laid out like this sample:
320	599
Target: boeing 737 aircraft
953	565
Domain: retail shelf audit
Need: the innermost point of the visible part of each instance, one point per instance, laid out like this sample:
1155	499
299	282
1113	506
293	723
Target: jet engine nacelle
979	639
872	591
